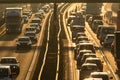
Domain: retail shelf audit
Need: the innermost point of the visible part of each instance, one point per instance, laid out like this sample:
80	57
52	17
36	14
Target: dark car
32	36
23	43
30	29
96	61
75	29
108	29
85	56
103	75
25	18
79	56
36	26
81	38
70	18
36	20
87	69
108	40
98	30
13	63
86	46
5	72
79	34
95	24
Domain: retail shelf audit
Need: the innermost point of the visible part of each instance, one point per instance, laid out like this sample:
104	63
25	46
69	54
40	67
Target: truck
13	19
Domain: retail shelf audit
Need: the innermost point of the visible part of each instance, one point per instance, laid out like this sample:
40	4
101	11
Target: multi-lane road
28	59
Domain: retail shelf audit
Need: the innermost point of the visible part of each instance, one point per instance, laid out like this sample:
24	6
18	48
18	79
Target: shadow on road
8	37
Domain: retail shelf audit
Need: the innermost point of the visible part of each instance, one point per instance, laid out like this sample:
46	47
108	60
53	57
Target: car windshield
5	61
30	34
30	29
108	31
87	47
23	39
99	22
93	68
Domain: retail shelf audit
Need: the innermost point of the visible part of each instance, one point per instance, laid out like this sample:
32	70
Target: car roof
89	54
86	43
99	73
23	37
36	18
85	50
4	66
91	58
89	64
8	58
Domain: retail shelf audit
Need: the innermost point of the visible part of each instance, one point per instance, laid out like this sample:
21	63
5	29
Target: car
46	8
36	26
30	29
98	30
78	21
108	40
75	29
88	16
96	61
13	63
90	21
23	43
79	34
81	38
26	18
107	29
36	20
86	46
85	56
40	15
70	18
32	36
87	69
80	55
79	14
103	75
5	72
27	13
95	24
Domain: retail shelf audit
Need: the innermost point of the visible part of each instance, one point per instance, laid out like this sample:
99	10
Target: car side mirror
111	77
102	61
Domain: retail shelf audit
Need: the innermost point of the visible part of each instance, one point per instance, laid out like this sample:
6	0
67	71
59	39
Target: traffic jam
17	18
88	61
93	31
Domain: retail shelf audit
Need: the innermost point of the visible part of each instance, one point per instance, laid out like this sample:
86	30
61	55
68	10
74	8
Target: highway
53	54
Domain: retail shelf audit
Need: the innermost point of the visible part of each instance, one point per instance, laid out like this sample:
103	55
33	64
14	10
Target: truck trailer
13	19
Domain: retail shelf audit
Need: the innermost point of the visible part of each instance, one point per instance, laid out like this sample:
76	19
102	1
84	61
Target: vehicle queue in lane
9	66
87	67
